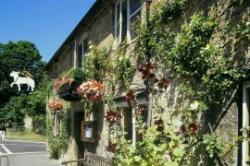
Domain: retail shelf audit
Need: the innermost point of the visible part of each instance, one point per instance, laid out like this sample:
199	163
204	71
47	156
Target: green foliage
36	102
155	148
33	105
213	146
77	74
168	10
125	71
58	144
17	56
97	64
13	112
206	75
185	57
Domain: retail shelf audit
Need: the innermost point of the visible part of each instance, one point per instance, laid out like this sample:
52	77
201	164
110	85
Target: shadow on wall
98	114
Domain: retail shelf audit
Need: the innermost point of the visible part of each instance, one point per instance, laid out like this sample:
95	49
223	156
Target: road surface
23	153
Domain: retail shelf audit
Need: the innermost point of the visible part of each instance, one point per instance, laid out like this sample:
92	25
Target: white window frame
245	123
118	37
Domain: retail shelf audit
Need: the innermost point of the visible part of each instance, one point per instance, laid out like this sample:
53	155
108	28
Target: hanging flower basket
66	89
59	83
91	90
55	105
112	117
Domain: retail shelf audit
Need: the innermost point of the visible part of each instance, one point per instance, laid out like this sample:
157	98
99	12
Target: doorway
78	116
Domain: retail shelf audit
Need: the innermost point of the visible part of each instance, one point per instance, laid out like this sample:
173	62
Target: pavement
25	153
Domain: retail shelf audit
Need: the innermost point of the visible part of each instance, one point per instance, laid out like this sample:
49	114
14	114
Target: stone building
106	25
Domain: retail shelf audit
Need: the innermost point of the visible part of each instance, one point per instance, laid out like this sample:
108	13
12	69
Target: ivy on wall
207	76
203	69
58	142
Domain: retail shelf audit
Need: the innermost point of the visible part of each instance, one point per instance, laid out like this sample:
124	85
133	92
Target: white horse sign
20	80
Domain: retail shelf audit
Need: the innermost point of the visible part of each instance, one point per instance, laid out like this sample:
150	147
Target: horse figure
18	80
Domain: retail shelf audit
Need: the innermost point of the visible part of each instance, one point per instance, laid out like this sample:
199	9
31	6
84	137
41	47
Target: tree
13	112
17	56
22	56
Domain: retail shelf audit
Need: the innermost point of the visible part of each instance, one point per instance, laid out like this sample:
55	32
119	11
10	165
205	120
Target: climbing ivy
207	77
58	144
97	64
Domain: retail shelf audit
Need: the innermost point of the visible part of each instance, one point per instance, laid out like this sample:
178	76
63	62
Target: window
79	56
127	121
127	115
127	12
135	15
82	50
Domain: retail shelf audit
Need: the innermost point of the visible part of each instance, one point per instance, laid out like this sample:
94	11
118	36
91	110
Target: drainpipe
148	54
245	125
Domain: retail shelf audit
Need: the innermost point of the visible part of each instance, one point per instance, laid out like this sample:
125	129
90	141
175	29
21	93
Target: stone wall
99	31
225	12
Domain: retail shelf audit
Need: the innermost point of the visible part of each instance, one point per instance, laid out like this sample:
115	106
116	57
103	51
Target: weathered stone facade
98	27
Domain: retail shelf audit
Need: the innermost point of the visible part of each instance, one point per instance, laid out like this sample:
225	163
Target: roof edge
84	19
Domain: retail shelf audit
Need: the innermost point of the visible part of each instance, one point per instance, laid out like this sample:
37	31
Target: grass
26	136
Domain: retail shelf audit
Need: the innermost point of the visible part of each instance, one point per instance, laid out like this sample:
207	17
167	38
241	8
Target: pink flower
92	90
60	82
55	105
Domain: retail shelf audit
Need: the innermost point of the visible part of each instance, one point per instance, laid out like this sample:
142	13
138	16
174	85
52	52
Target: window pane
134	5
85	46
124	19
128	123
117	20
118	12
134	22
117	31
80	56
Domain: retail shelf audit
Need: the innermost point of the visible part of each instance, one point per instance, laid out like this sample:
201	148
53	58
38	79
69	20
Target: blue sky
46	23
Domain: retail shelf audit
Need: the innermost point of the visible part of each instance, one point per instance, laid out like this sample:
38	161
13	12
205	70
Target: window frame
83	51
245	121
119	21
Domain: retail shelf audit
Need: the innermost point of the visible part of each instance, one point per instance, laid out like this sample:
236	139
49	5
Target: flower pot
68	92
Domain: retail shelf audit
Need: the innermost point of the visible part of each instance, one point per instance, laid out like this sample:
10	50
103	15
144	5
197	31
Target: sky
46	23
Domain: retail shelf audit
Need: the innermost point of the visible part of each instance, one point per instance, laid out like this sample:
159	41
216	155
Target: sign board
89	131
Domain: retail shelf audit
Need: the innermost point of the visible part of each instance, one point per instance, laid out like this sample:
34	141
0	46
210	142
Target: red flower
159	123
147	71
163	83
129	96
193	127
111	146
112	117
